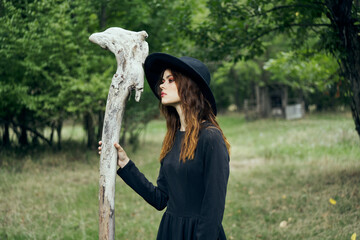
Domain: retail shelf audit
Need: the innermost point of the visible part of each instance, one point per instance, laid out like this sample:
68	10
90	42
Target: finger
100	142
99	152
99	148
118	147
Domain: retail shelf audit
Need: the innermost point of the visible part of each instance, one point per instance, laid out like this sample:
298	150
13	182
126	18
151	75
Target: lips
163	94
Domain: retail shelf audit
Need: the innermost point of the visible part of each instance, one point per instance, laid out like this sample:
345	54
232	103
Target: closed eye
169	78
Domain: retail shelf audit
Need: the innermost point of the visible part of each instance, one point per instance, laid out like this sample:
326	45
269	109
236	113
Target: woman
194	157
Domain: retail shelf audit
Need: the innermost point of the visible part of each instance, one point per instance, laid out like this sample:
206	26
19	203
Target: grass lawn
289	180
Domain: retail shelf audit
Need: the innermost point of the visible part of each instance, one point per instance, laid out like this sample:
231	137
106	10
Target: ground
289	180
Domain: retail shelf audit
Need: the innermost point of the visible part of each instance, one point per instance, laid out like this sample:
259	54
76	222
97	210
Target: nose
162	86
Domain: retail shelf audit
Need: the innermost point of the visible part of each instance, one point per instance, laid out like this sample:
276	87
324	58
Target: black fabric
193	192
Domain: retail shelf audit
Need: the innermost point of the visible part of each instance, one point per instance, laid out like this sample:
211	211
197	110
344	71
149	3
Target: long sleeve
216	174
155	196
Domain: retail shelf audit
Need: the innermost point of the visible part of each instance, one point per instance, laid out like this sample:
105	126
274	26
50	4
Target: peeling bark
130	49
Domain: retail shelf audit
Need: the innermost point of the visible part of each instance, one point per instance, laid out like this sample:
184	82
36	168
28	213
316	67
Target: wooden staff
130	49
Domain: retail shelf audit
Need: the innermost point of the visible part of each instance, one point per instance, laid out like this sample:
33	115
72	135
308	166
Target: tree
50	72
47	65
235	82
237	29
316	77
158	19
307	74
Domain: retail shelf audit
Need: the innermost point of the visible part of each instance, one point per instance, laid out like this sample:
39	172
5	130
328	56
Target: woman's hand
122	158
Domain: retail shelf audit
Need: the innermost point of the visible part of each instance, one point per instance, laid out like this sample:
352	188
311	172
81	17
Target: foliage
157	18
316	76
46	48
241	29
137	116
234	82
50	71
314	73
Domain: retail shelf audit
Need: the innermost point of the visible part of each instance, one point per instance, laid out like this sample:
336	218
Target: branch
288	6
309	25
29	129
289	26
264	33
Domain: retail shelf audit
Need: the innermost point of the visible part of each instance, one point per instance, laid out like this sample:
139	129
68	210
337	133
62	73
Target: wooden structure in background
273	101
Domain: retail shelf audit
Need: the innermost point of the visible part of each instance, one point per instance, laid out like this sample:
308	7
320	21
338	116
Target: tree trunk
235	78
258	100
52	134
266	103
6	136
23	140
35	139
103	16
90	130
246	105
23	137
284	100
343	23
58	130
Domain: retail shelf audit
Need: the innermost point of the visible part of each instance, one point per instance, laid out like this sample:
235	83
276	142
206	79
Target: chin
168	104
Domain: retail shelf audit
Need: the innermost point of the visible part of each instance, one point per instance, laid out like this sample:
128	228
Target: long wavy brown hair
196	109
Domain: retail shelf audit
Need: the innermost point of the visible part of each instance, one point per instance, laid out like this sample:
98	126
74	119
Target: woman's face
169	91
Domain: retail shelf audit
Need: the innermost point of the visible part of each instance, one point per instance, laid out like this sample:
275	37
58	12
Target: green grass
280	171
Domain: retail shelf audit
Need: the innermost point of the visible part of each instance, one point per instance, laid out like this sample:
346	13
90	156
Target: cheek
176	89
173	89
176	93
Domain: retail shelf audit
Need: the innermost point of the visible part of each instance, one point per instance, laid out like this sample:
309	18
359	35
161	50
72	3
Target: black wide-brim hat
156	63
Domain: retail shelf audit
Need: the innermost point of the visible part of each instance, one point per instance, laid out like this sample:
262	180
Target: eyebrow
167	76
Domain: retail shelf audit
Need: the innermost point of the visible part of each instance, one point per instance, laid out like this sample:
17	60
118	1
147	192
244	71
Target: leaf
353	237
332	201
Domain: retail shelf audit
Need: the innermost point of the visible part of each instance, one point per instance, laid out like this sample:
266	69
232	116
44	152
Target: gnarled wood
130	49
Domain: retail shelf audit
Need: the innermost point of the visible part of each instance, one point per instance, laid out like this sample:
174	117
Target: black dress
193	192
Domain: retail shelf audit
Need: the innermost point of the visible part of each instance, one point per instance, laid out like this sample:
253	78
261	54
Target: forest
289	178
51	74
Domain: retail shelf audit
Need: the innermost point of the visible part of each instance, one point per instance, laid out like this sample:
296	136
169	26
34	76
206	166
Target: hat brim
156	63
